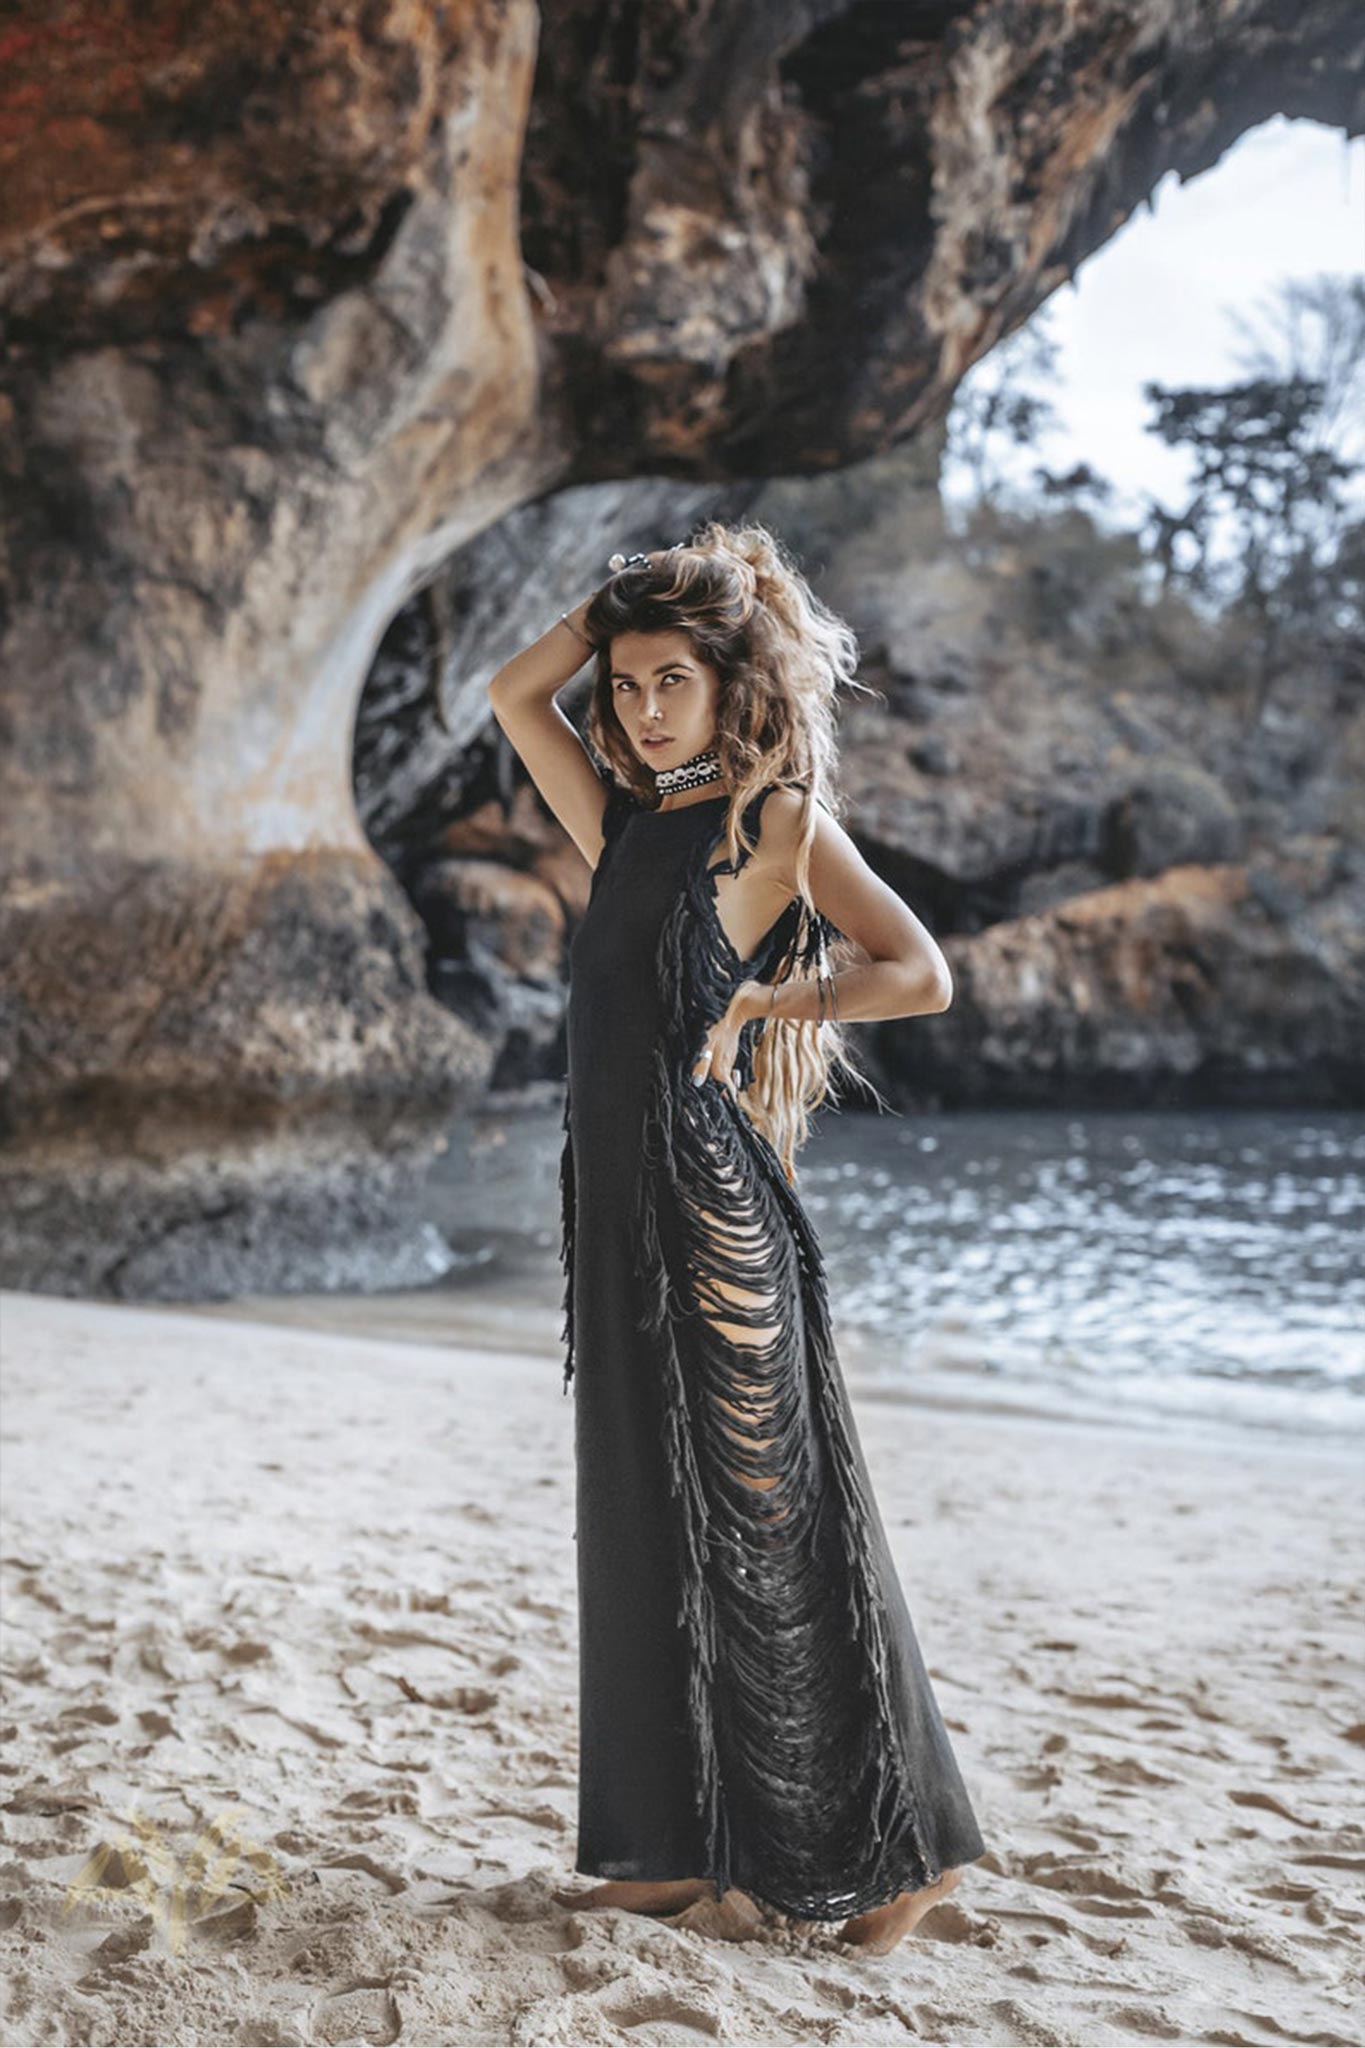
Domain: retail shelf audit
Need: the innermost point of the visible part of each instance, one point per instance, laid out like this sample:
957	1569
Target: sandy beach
290	1716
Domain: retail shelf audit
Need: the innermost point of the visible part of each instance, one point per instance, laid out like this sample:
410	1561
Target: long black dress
754	1708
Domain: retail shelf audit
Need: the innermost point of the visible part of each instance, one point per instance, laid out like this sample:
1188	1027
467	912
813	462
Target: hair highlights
781	655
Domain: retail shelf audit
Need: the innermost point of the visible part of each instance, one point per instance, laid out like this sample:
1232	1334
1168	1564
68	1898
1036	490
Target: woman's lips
656	742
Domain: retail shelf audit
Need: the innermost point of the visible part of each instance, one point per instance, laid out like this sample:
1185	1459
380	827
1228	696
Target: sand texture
290	1704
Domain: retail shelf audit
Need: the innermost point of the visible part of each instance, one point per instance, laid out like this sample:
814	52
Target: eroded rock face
298	300
266	341
1218	985
1039	743
240	1068
268	356
807	221
1048	778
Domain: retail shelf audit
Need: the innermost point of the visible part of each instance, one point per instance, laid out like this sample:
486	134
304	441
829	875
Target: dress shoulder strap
803	933
752	821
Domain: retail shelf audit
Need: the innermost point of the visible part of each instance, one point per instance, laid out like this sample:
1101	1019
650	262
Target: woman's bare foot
876	1933
640	1895
734	1917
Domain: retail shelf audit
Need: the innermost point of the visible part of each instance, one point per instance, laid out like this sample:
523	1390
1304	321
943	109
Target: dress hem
863	1899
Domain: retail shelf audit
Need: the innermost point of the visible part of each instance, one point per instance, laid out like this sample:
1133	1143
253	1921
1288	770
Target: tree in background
1315	328
1270	532
1270	528
996	410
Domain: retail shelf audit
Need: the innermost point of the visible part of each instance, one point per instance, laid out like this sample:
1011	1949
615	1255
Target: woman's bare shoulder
781	819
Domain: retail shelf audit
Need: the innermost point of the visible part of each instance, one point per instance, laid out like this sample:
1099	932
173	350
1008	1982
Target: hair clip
619	562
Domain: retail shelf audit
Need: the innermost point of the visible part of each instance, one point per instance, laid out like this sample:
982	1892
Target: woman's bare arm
906	974
522	695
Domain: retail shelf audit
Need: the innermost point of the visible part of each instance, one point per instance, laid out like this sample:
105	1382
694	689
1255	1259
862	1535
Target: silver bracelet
574	630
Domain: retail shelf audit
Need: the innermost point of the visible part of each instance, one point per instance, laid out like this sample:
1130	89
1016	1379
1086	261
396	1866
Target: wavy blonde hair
781	655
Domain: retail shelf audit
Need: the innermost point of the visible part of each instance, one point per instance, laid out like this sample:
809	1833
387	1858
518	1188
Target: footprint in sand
1113	1702
842	1997
356	1859
1007	2020
1080	1838
732	1918
1126	1770
1144	2019
1270	1805
1029	1919
665	2008
1264	2023
364	2010
1093	1890
949	1922
1037	1777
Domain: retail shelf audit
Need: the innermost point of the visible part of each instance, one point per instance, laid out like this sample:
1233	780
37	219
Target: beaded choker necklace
704	767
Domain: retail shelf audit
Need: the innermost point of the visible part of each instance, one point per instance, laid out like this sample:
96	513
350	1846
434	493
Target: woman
754	1712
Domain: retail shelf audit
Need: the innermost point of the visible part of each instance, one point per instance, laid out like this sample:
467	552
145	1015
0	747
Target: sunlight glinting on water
1152	1261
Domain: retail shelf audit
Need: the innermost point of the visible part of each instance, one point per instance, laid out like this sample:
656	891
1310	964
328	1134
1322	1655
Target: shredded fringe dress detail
754	1707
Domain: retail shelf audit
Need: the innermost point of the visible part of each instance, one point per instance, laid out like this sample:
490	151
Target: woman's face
663	693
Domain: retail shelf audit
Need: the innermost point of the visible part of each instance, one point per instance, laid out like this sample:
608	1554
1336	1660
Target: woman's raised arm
522	695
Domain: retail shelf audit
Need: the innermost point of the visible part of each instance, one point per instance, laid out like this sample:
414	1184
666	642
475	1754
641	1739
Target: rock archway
296	300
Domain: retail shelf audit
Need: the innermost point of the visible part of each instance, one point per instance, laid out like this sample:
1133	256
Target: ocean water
1155	1266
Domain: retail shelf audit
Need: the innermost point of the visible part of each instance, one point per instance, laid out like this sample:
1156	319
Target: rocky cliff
1151	887
297	301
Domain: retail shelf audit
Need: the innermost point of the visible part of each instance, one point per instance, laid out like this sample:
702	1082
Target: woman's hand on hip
720	1047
